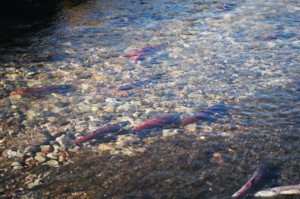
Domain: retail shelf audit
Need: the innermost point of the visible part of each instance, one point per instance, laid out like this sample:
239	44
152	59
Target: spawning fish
215	110
279	35
157	122
260	171
139	54
277	191
227	6
100	132
58	88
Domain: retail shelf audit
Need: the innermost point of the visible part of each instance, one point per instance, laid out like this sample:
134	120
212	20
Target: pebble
169	132
45	148
125	140
74	149
33	184
8	153
53	163
17	167
191	127
51	156
105	147
20	153
16	164
60	140
40	158
32	149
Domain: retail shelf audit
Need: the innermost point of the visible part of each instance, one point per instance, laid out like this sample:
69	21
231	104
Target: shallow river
104	62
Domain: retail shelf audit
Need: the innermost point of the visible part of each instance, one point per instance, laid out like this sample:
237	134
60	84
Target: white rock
16	164
40	158
17	167
33	184
169	132
8	153
51	156
53	163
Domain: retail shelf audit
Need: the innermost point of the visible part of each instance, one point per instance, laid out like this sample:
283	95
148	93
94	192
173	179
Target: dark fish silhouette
101	132
49	89
211	114
279	35
227	6
139	54
255	178
158	122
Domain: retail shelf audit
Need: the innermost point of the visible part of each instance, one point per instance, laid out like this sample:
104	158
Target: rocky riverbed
107	62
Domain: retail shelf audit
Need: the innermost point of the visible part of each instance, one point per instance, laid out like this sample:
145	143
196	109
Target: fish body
158	122
101	131
260	171
279	35
276	191
57	88
133	53
192	119
227	6
139	54
212	113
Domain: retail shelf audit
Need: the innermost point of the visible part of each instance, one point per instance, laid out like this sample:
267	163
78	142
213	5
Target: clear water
245	56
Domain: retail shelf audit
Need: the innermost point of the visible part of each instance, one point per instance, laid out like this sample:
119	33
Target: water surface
245	55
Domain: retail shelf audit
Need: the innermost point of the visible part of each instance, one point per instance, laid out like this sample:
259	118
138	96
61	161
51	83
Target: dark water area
207	91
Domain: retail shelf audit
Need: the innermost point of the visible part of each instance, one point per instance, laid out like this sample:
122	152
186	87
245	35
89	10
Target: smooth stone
45	148
125	140
8	153
191	127
74	149
105	147
32	149
53	163
51	156
169	132
33	184
20	153
40	158
17	167
16	164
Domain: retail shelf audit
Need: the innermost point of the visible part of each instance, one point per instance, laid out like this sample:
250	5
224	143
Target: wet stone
8	153
106	147
16	164
169	132
33	184
18	167
53	163
40	158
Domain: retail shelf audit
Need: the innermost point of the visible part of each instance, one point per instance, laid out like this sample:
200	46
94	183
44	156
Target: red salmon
212	113
158	122
140	53
100	132
260	171
41	89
